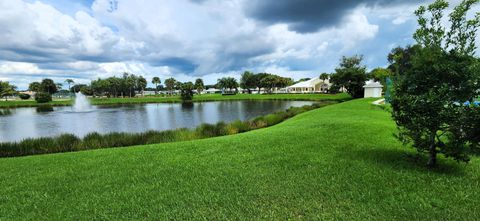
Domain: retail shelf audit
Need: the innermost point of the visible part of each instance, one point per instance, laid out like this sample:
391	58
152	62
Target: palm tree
156	81
227	83
69	82
324	76
199	86
170	84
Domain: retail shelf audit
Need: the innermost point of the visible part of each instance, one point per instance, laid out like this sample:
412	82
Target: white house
212	91
314	85
373	89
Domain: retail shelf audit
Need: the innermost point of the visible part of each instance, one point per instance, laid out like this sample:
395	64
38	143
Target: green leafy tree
248	81
381	75
186	91
351	75
156	81
269	82
141	84
34	86
6	89
49	86
170	84
257	79
433	79
199	86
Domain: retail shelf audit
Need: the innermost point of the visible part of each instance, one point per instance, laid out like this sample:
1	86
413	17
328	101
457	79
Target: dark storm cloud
310	15
181	64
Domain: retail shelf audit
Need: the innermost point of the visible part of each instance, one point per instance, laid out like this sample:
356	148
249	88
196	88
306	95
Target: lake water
20	123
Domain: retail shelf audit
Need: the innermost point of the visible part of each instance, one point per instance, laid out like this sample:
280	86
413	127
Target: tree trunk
432	156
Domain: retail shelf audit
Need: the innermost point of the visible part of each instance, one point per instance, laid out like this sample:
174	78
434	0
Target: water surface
21	123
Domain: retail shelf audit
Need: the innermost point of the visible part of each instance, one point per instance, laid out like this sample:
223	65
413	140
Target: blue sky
187	39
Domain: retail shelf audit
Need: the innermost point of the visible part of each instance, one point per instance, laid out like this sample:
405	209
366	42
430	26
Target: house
212	91
373	89
315	85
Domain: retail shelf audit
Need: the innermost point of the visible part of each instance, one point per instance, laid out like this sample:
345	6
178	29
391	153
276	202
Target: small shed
373	89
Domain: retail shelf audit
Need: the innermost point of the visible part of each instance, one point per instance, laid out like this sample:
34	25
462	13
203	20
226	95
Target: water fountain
81	103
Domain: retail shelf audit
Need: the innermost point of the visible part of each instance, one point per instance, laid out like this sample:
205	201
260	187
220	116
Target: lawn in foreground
196	98
339	162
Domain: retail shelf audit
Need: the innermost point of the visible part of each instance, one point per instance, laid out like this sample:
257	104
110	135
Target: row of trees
267	81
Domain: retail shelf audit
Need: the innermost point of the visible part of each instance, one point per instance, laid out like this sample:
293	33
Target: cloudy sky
187	39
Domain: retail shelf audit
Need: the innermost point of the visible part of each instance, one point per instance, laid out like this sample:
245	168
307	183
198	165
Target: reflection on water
20	123
44	108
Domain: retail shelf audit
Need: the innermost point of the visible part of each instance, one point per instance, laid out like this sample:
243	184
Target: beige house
315	85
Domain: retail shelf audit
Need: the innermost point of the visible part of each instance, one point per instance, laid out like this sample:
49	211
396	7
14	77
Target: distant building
212	91
373	89
315	85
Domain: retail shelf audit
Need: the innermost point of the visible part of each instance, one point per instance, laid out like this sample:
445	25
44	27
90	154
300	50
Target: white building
212	91
373	89
315	85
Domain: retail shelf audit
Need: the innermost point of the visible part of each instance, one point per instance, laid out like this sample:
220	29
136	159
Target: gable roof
310	83
373	84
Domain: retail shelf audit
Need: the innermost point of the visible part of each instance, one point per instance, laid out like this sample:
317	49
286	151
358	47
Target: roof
309	83
373	84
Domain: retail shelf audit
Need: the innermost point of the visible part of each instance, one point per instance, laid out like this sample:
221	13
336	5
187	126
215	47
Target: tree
156	81
324	77
6	89
186	91
351	75
248	81
227	83
199	86
381	75
170	84
34	86
433	79
48	86
77	88
270	81
59	86
258	80
69	82
141	84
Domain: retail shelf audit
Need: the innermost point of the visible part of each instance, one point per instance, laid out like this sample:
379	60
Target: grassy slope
340	162
198	98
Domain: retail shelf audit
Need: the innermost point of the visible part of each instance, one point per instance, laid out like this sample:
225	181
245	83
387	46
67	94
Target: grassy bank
70	142
338	162
197	98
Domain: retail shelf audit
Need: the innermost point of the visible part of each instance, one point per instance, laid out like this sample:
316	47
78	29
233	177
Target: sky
188	39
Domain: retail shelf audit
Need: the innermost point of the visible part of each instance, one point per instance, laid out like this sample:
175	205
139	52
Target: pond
20	123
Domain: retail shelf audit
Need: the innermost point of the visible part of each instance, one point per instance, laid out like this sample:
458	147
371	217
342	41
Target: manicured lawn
32	103
338	162
197	98
219	97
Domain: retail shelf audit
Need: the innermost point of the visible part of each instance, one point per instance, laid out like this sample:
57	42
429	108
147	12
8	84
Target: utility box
373	89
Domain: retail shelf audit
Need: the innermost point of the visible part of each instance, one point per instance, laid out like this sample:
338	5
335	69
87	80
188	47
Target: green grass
174	99
338	162
32	103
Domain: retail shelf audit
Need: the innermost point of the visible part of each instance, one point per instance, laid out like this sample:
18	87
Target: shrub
67	142
43	97
272	119
211	130
239	126
24	96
